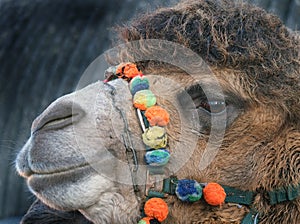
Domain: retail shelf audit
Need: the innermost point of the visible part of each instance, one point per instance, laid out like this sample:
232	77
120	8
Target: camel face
76	157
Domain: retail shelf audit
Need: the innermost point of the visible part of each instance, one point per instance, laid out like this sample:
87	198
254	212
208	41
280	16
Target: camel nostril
57	123
58	115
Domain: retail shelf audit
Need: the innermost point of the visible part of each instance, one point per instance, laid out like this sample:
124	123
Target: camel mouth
58	171
65	189
39	182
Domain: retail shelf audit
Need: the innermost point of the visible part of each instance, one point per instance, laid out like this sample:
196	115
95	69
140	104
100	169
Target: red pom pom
127	70
214	194
156	208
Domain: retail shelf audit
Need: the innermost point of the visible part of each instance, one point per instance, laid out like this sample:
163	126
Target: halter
152	120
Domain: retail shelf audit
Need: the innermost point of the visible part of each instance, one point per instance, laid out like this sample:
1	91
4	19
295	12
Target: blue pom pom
158	157
139	87
188	190
138	83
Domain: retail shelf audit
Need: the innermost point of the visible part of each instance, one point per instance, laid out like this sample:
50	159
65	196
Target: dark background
45	46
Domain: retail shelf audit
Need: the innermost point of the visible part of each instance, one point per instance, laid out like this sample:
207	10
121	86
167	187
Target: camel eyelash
200	99
197	90
226	98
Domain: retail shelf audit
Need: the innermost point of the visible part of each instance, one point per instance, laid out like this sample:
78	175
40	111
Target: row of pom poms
156	209
155	136
191	191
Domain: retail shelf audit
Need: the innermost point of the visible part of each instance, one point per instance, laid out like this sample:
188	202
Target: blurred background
45	46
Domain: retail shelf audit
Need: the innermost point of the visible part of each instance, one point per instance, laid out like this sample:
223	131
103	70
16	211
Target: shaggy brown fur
253	55
234	36
256	61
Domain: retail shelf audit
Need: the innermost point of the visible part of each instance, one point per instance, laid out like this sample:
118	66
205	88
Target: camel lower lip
39	182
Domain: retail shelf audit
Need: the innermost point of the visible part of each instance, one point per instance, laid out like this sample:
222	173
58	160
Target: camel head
234	110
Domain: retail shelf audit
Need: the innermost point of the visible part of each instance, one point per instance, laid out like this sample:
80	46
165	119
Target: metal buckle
154	183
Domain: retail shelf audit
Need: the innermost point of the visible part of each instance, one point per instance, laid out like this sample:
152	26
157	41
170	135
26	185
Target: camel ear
40	213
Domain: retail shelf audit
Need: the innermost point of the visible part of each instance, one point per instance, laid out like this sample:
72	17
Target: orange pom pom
156	208
157	116
129	70
214	194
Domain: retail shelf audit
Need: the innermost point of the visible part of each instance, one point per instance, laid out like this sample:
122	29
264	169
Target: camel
77	156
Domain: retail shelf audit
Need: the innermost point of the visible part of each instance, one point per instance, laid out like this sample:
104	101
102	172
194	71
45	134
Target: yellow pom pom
155	137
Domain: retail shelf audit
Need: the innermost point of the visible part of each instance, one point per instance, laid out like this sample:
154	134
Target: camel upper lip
58	116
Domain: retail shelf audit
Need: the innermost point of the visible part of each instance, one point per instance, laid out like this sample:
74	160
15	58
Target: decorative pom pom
148	220
156	208
157	116
214	194
157	157
188	190
144	99
127	70
155	137
138	83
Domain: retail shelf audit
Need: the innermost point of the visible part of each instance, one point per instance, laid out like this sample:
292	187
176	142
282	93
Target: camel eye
222	108
213	107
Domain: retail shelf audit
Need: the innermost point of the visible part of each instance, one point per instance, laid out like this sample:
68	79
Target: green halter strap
237	196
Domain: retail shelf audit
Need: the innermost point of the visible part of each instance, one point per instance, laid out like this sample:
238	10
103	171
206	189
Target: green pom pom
144	99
